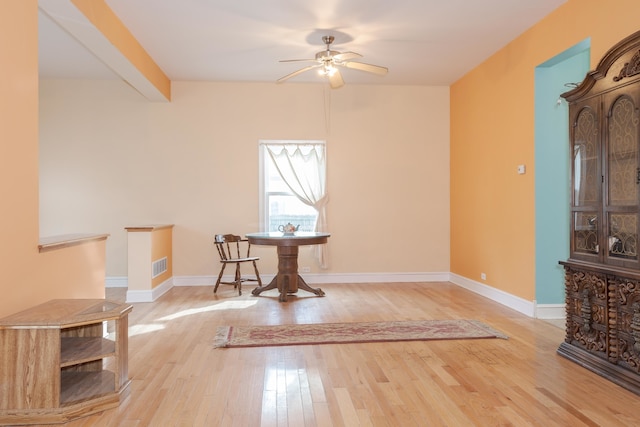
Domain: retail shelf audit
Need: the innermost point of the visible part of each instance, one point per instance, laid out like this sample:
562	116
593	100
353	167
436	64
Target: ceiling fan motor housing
326	54
328	40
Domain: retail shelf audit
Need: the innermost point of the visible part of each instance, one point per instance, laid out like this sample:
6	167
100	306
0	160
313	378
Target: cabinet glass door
585	233
586	184
586	159
623	176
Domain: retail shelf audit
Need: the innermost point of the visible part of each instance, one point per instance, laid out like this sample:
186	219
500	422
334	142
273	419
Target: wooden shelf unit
63	360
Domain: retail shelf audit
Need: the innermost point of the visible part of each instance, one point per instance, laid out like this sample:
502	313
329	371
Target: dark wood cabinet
602	274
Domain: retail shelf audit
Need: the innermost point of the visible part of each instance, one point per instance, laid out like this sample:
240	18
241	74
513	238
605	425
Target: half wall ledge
66	240
148	228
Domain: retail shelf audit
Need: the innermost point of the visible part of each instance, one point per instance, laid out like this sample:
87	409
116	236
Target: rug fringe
223	335
489	329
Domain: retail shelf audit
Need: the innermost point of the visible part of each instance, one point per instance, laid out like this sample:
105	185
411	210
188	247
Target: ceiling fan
328	61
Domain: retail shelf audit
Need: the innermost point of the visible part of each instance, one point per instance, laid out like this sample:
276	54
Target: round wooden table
287	280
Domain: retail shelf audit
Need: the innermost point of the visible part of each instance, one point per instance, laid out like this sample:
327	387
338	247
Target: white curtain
303	168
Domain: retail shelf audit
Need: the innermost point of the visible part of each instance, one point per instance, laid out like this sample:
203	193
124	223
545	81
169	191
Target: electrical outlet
483	276
305	269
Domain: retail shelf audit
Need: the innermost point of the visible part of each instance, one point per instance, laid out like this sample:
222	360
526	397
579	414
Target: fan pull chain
327	108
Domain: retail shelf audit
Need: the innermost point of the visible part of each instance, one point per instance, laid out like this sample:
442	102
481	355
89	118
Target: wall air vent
158	267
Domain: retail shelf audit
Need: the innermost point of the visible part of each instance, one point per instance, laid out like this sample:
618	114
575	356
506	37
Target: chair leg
255	267
238	279
219	278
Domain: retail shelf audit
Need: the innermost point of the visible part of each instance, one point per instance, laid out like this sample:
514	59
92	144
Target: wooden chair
231	250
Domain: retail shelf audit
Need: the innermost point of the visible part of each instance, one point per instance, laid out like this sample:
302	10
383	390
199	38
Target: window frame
263	197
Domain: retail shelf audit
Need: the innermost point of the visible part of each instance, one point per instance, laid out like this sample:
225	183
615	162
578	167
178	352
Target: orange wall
28	277
492	131
162	246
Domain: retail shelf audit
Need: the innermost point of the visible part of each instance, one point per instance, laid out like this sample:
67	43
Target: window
292	184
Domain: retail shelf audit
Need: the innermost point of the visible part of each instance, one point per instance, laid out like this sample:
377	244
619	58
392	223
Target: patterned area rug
333	333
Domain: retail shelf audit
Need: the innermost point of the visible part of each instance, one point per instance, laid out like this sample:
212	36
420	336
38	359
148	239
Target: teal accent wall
552	167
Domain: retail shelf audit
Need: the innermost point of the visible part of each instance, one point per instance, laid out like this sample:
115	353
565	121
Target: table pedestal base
287	280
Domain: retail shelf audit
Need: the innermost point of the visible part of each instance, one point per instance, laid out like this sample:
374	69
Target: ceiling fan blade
298	60
345	56
375	69
295	73
335	80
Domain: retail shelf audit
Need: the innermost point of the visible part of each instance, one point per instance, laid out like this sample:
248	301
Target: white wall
110	159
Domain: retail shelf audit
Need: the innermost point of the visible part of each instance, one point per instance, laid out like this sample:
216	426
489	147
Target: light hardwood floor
179	379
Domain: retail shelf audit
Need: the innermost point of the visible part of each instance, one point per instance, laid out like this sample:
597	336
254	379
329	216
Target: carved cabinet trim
603	322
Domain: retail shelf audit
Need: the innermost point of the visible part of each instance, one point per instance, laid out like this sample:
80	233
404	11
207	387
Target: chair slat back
228	246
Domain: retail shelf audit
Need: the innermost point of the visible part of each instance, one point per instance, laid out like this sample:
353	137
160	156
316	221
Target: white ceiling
422	42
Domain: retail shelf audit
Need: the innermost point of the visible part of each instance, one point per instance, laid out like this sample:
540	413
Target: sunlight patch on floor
143	329
226	305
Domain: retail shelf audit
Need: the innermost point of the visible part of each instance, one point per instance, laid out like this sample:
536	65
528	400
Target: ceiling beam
94	25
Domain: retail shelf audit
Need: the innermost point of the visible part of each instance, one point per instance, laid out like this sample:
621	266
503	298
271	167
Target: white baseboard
528	308
116	282
521	305
150	295
550	311
318	278
198	280
311	278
